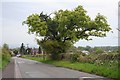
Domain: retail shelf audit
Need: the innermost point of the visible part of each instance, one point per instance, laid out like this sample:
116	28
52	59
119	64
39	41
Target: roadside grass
5	56
40	59
0	61
102	70
5	61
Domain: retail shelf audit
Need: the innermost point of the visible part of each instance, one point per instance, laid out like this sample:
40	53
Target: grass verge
4	61
0	61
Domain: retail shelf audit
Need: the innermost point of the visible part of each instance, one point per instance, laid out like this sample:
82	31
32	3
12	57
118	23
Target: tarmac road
25	68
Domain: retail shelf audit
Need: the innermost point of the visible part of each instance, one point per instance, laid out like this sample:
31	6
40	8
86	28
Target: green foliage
113	49
74	57
98	50
65	28
54	47
5	55
40	58
15	51
0	59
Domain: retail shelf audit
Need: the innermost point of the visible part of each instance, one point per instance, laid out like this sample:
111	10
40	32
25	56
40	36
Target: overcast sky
13	13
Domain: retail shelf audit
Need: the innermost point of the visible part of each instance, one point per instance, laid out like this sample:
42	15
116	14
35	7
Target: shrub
74	57
67	56
5	55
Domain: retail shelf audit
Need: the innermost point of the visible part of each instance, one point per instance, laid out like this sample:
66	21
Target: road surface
32	69
24	68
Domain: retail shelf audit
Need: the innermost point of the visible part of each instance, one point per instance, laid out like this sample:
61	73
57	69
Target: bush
5	55
67	56
74	57
15	51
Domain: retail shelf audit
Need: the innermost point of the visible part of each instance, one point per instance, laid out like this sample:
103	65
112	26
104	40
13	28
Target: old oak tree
65	27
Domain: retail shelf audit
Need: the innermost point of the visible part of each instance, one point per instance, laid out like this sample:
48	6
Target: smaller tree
5	49
15	51
81	48
98	50
5	52
22	49
28	51
88	48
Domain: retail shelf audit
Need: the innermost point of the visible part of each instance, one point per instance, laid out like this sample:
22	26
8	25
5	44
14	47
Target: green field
93	68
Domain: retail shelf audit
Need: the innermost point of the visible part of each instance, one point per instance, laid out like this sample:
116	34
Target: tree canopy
65	27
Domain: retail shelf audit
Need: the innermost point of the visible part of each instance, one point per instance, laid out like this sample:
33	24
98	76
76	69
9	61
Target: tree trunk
55	56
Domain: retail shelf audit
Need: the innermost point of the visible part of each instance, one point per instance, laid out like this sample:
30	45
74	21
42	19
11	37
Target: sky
14	12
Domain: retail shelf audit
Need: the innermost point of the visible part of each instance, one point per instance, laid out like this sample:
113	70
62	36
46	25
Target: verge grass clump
5	56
